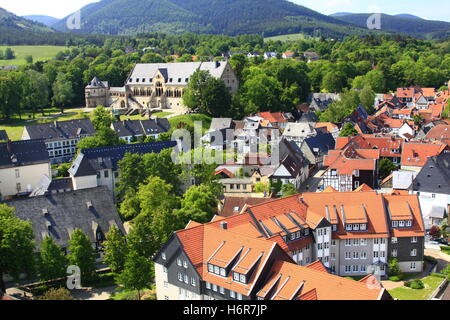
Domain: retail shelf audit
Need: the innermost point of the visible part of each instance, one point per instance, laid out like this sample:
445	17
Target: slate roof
89	161
129	128
309	117
96	83
23	153
434	176
3	135
220	123
173	73
321	143
58	215
60	130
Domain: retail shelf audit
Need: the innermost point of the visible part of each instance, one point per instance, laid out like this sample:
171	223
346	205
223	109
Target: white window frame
414	240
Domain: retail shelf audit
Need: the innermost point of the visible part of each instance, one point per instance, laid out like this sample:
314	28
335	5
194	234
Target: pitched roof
417	154
220	123
288	281
89	161
346	165
148	127
234	205
385	145
405	92
58	215
174	73
363	188
273	117
23	153
321	143
402	207
440	132
299	129
58	130
434	176
402	180
3	135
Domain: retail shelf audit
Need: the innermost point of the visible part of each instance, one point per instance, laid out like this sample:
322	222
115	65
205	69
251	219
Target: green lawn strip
405	293
39	53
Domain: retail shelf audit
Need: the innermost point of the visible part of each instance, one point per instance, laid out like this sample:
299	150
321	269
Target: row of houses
267	251
308	56
61	137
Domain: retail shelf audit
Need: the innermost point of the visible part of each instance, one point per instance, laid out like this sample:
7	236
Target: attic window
89	205
131	80
45	212
179	79
236	209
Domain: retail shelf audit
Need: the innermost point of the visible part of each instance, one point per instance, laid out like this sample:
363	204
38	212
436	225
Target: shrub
56	294
415	284
396	278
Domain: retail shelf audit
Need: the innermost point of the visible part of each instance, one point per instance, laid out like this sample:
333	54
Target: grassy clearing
288	37
14	127
39	53
139	117
404	293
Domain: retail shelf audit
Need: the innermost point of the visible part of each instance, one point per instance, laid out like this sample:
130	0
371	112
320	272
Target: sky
430	9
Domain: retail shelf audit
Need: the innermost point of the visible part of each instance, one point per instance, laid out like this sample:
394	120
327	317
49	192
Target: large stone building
156	85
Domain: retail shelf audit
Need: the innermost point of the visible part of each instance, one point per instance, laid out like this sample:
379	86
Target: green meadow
39	53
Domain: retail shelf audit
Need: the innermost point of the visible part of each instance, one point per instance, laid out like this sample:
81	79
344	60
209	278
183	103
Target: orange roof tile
363	188
293	282
412	201
440	132
416	154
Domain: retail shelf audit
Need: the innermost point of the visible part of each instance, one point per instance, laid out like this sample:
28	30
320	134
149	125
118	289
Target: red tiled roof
405	93
273	117
440	132
416	154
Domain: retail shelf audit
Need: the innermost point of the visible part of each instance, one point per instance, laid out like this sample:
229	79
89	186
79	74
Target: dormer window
334	227
242	278
409	223
210	268
363	227
348	227
394	224
236	276
401	224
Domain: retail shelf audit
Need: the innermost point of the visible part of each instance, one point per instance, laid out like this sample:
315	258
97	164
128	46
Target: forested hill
407	24
266	17
16	30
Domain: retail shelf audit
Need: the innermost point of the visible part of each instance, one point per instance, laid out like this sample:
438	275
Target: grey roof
309	116
321	143
174	73
402	180
129	128
220	123
47	186
89	161
320	96
23	153
438	212
58	215
299	129
60	130
96	83
434	176
3	135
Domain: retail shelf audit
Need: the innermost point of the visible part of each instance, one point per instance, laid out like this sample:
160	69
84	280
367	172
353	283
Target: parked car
443	241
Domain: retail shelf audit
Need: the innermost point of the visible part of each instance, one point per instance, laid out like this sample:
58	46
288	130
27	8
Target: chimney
224	225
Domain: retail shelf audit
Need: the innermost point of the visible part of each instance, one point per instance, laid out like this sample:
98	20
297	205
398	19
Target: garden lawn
404	293
189	120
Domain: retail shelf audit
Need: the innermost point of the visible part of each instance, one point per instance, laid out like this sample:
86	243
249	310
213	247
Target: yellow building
156	86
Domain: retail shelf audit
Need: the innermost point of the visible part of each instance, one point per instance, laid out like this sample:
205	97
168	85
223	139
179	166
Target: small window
193	282
180	277
232	294
179	262
163	256
414	239
222	290
208	285
222	272
242	279
185	264
210	268
394	240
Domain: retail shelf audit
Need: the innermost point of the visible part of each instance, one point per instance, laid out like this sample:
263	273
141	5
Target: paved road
94	294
